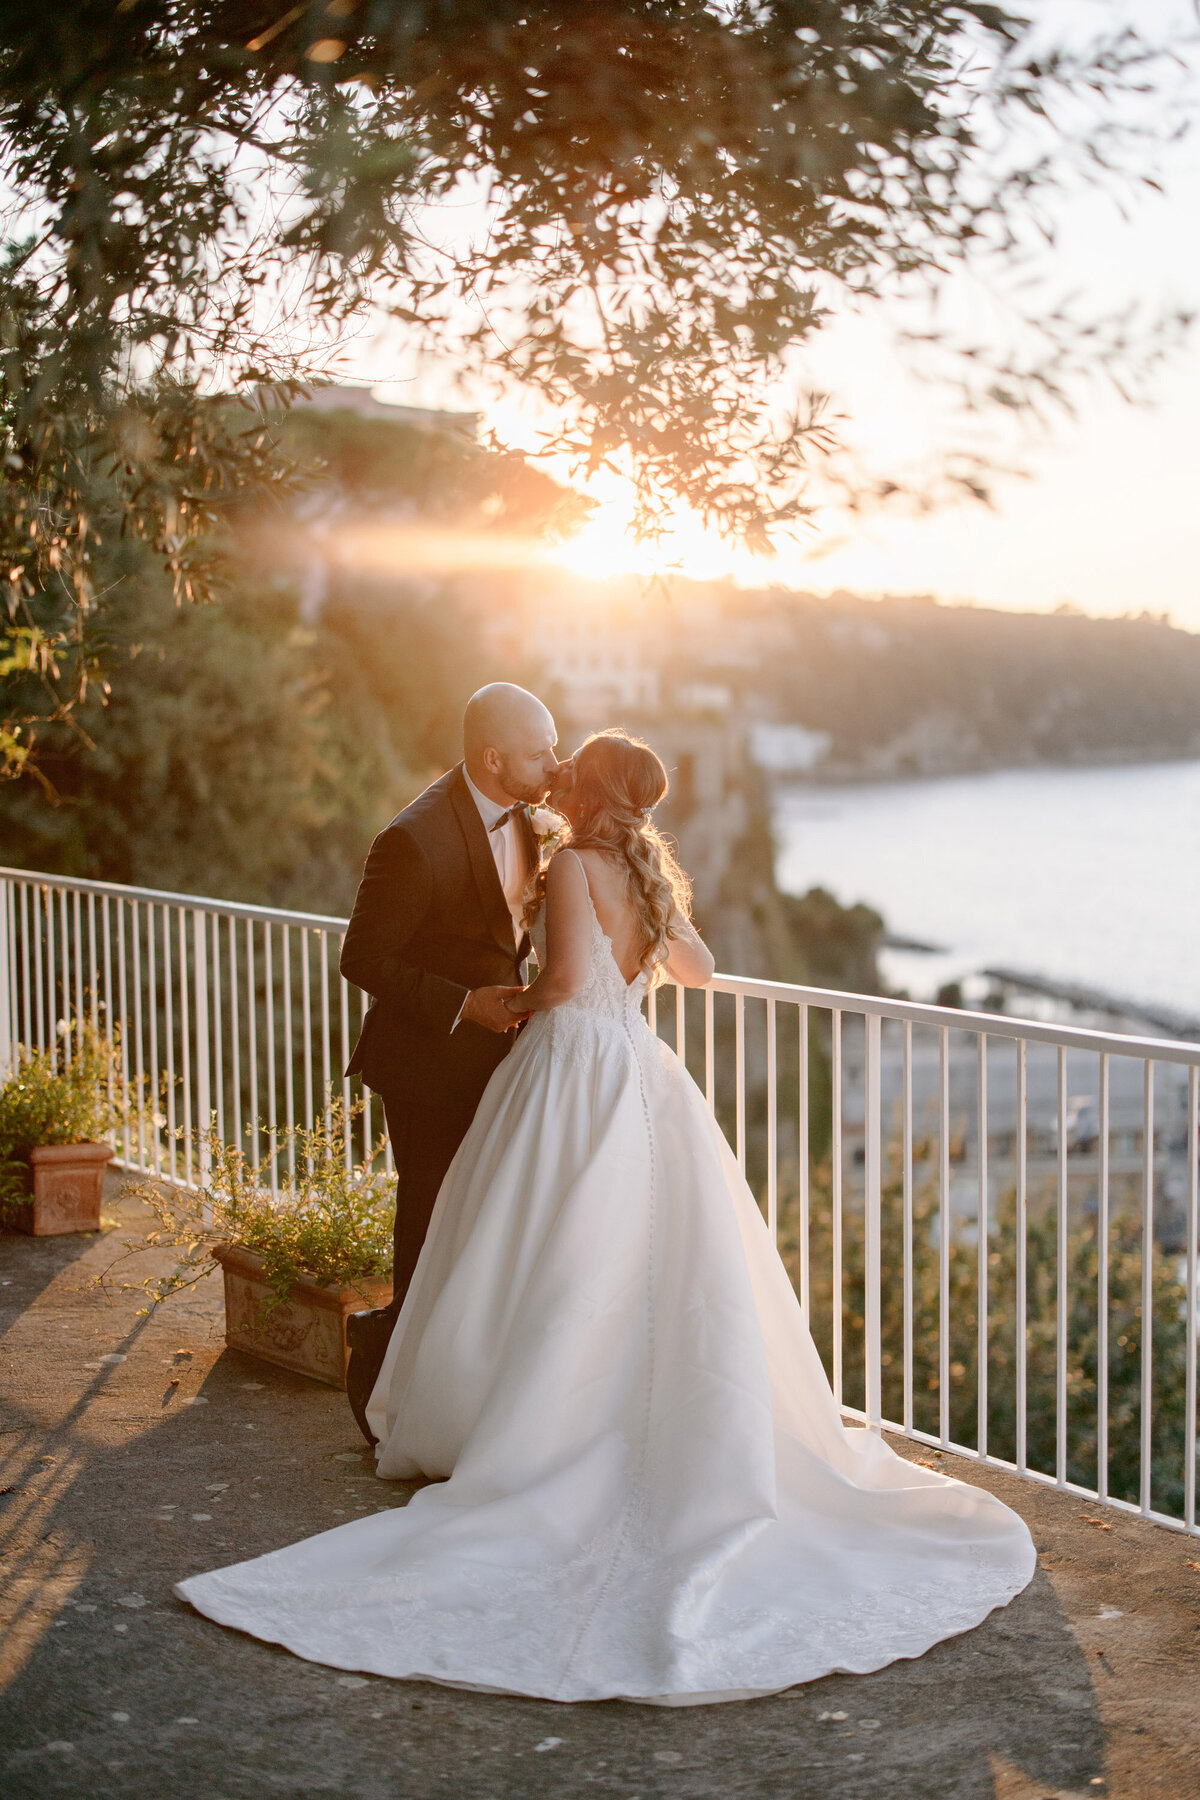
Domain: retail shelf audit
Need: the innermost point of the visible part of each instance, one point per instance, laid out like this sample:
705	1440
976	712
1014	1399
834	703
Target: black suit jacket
430	923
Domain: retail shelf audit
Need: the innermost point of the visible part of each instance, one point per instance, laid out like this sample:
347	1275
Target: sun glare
606	548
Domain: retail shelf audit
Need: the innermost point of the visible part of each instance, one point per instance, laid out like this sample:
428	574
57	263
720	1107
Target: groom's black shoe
367	1335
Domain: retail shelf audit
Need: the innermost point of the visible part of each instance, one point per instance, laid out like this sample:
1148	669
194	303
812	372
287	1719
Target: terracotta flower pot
68	1180
308	1332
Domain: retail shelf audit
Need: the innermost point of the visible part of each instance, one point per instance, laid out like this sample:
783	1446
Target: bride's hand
515	1004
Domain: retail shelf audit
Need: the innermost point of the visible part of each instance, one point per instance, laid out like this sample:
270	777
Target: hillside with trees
905	686
251	749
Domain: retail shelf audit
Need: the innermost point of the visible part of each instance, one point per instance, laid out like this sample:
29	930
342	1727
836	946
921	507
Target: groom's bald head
508	743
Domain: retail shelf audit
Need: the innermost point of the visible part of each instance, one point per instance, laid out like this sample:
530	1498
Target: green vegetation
328	1221
243	752
1082	1256
906	687
73	1093
809	938
679	195
838	944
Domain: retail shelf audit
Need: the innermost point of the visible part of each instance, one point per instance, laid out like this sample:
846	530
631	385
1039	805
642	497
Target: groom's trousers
423	1145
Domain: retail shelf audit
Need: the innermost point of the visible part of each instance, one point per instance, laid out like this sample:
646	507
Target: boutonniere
549	828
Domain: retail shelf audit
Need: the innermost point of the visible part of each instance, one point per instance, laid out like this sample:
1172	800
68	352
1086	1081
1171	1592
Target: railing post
1145	1493
203	1049
982	1247
805	1172
835	1177
7	1034
1193	1222
740	1073
772	1126
944	1235
1022	1227
873	1197
1062	1294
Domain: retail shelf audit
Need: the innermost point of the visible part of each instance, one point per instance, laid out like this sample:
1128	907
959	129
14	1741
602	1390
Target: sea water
1088	876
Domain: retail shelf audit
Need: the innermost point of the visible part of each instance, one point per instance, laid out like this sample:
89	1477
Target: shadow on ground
124	1476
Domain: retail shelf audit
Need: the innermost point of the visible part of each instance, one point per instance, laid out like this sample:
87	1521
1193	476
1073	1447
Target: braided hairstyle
618	782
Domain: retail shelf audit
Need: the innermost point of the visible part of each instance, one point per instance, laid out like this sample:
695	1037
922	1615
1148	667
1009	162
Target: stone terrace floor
119	1477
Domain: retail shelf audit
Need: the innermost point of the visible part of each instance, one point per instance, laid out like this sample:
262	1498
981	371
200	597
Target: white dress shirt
509	850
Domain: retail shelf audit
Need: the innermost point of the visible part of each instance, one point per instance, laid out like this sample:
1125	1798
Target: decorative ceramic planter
308	1332
68	1180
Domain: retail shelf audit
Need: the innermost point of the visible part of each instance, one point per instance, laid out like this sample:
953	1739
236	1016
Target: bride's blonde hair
618	780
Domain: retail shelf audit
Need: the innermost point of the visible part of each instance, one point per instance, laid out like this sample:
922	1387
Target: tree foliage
250	752
1004	1327
635	209
911	688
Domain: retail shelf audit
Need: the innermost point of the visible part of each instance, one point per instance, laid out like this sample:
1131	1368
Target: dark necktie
506	816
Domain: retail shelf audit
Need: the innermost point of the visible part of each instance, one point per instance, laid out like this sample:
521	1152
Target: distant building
343	397
599	673
704	696
788	749
606	658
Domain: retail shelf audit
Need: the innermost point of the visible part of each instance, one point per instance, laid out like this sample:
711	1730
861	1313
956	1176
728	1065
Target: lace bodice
605	991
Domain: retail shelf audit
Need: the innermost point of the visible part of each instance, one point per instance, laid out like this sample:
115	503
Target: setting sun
606	548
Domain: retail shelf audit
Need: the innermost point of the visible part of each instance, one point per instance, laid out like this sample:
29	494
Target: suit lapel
483	863
529	838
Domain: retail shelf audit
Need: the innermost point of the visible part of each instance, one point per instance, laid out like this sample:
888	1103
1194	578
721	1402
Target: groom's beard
524	792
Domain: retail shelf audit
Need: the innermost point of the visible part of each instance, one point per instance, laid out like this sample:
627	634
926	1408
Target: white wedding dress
650	1491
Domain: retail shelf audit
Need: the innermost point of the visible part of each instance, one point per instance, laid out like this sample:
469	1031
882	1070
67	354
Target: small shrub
329	1222
57	1097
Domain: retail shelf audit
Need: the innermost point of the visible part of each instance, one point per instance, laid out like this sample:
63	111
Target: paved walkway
137	1450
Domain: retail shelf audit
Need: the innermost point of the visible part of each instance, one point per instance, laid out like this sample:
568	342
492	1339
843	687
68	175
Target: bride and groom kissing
438	938
637	1482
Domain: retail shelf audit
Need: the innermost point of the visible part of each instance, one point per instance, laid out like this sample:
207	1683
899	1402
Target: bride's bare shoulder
561	860
599	865
567	873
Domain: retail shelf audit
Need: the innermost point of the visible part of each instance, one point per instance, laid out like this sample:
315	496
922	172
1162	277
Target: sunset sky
1107	514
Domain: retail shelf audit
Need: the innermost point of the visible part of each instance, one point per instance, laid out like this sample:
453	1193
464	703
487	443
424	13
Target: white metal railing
941	1182
231	1013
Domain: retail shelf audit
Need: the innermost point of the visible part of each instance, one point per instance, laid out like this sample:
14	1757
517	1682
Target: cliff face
757	930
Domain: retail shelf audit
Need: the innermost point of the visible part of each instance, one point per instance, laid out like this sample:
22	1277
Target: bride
640	1486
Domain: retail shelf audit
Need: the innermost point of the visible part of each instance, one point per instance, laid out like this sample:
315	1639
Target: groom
437	939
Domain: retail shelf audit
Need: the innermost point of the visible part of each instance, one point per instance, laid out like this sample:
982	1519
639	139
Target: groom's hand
485	1006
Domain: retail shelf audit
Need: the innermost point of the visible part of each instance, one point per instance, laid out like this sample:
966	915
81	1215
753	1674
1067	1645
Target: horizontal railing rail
234	909
1001	1025
991	1222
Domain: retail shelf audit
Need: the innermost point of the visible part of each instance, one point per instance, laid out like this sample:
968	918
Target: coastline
835	775
1061	885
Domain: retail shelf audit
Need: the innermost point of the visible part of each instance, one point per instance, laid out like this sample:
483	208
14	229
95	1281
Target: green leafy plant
72	1093
329	1221
1081	1249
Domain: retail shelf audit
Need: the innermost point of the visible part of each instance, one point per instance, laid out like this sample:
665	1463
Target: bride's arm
689	959
568	939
